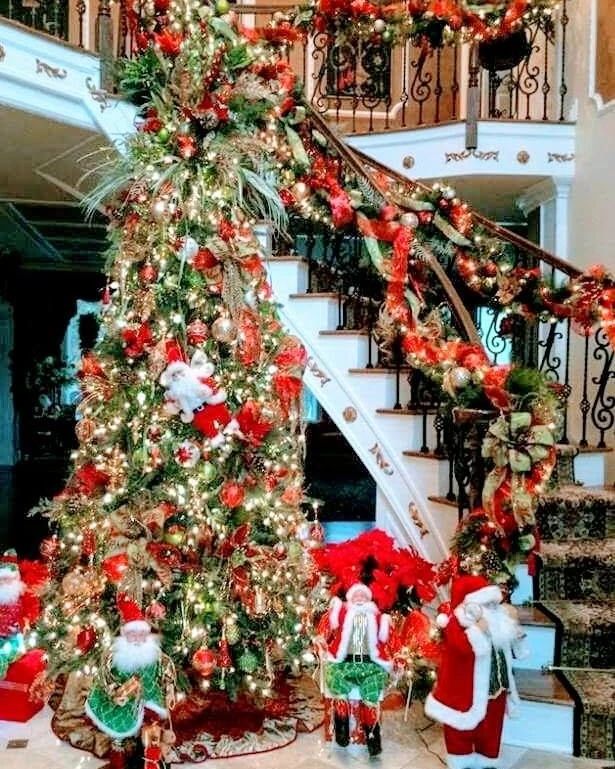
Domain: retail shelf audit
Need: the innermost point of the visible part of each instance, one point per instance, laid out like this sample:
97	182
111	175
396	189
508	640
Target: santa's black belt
357	658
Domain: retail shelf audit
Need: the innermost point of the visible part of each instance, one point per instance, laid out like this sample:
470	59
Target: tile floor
413	745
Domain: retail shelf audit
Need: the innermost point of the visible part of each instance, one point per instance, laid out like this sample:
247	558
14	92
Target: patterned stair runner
577	588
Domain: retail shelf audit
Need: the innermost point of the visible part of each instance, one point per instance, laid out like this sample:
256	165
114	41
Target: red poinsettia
204	260
252	425
493	386
169	42
232	494
137	341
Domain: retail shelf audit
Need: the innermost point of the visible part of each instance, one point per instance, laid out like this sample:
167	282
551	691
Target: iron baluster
563	88
585	404
603	408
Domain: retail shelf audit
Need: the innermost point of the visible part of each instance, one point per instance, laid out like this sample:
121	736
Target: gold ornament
224	330
232	634
84	429
261	602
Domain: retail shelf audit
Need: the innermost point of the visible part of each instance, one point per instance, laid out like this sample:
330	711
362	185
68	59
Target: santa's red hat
174	352
131	614
472	588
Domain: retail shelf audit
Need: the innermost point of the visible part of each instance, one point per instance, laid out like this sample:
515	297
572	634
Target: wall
591	230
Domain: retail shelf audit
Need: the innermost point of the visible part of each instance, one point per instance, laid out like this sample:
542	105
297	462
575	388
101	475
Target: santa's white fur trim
156	708
9	569
11	592
442	620
111	732
356	588
484	762
487	594
370	610
335	607
385	628
455	761
136	625
469	719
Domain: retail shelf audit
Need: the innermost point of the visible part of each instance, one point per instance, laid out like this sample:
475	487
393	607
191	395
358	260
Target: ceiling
493	196
42	167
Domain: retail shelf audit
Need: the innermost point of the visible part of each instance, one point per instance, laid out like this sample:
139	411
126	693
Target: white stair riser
542	726
343	351
379	388
541	644
405	431
524	591
315	314
287	277
590	470
434	474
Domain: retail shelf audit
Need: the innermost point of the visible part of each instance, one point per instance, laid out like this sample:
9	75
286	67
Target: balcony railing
368	86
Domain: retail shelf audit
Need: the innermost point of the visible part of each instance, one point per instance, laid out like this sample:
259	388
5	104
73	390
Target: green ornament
387	36
232	634
208	471
222	7
163	135
248	662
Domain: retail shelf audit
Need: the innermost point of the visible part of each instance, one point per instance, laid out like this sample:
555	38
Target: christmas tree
184	510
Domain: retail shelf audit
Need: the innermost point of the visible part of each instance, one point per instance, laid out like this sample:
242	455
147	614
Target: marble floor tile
407	745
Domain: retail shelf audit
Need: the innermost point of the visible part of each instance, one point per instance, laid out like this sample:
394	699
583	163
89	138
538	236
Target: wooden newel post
473	100
104	43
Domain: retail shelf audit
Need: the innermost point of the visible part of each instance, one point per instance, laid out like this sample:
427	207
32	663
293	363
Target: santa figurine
132	682
193	393
19	607
475	685
357	665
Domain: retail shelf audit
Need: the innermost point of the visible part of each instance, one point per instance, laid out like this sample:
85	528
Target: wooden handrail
457	305
492	227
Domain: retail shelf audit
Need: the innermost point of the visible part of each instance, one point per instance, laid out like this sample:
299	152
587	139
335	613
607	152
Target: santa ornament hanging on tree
475	685
19	605
136	680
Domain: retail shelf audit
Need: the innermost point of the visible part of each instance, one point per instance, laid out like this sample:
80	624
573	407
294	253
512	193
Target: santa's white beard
502	628
188	390
10	594
128	657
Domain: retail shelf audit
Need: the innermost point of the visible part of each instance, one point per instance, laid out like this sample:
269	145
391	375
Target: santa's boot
487	762
371	727
116	756
341	722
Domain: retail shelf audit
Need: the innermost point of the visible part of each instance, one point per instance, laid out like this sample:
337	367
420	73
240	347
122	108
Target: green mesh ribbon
368	677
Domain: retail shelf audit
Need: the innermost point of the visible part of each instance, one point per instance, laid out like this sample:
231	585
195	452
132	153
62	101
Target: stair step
408	412
379	370
536	686
534	616
545	717
286	258
318	295
588	632
425	455
540	632
596	693
443	501
344	332
582	570
576	512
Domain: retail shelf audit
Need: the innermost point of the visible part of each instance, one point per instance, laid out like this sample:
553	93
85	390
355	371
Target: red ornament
232	494
224	657
204	661
86	638
115	567
187	146
197	332
148	273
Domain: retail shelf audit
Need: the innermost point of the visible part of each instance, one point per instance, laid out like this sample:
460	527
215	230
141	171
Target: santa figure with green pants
475	685
131	682
357	665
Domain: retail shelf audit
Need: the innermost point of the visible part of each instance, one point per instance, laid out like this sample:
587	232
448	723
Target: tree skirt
207	726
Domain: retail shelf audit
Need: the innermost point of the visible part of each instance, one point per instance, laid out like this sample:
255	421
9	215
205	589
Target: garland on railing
435	22
311	174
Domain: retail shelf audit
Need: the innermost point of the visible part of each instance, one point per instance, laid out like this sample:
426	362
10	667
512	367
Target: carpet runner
577	589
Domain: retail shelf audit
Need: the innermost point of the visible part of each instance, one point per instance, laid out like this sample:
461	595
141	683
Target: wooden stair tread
286	258
536	686
563	447
378	370
317	295
533	615
425	455
409	412
344	332
443	501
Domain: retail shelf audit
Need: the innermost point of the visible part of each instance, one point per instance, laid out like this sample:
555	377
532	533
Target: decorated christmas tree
183	513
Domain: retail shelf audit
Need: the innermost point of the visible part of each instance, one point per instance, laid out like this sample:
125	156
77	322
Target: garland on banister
289	166
432	22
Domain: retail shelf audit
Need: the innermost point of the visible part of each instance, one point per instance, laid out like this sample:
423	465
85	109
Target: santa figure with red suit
19	605
357	664
475	685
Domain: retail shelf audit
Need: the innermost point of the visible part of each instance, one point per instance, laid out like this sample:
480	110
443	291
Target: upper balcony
425	110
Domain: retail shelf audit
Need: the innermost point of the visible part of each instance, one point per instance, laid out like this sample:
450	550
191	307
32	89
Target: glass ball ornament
224	330
409	219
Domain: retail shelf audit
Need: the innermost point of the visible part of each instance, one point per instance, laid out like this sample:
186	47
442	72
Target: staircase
414	502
